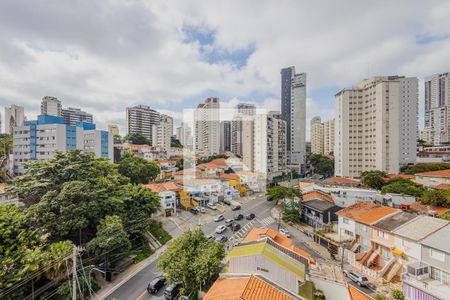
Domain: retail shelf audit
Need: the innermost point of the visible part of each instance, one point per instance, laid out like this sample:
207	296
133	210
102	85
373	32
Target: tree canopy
291	212
436	197
137	169
174	142
191	259
136	138
425	167
321	164
403	186
373	179
278	193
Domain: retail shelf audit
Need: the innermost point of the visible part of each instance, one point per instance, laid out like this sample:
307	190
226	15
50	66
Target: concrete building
317	136
184	135
428	135
14	116
162	133
39	139
140	119
328	137
293	112
51	106
241	110
225	136
376	126
437	103
113	129
207	127
73	116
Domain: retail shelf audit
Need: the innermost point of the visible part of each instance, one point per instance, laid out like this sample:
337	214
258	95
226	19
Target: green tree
278	193
117	139
445	216
137	169
321	164
291	212
425	167
398	295
436	197
179	164
174	142
403	186
380	297
136	138
191	259
110	235
373	179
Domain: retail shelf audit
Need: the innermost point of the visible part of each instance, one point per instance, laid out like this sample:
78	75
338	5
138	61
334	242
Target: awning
397	251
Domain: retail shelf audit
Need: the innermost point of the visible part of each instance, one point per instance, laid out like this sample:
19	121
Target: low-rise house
168	193
145	151
395	200
251	180
430	277
319	213
434	178
430	210
317	194
203	191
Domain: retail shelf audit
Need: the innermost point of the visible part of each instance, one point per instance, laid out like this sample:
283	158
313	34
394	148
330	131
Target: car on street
250	216
235	226
218	218
202	210
229	222
172	290
285	232
211	206
221	228
226	202
356	278
156	284
210	237
194	210
238	217
221	238
235	207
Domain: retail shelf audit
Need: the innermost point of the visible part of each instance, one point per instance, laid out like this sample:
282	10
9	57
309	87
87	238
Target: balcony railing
433	288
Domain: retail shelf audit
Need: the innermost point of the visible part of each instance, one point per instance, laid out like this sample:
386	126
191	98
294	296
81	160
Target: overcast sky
103	56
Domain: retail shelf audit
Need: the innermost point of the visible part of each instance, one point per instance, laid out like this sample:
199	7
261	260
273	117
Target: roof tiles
367	213
440	173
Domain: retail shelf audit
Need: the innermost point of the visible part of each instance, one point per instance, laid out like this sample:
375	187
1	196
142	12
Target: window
383	235
438	255
345	220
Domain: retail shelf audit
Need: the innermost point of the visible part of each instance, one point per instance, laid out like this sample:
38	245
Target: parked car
202	210
236	207
156	284
210	237
194	210
218	218
221	228
356	278
250	216
172	290
221	238
229	222
226	202
235	226
211	206
285	232
238	217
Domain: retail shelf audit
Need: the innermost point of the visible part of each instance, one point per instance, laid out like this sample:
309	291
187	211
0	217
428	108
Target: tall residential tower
207	127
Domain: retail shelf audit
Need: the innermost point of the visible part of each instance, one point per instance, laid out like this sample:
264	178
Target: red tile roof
317	194
367	213
356	294
343	180
197	181
443	186
230	176
422	208
162	187
402	176
440	173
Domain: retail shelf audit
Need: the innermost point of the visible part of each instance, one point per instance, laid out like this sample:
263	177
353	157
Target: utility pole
74	273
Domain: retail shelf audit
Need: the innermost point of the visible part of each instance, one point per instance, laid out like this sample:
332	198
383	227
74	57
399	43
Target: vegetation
436	197
380	297
445	216
136	138
403	186
211	158
278	193
158	232
117	139
291	212
398	295
373	179
174	142
6	144
137	169
321	164
88	284
418	168
191	259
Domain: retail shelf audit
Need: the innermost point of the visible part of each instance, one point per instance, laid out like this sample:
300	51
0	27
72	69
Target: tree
321	164
445	216
426	167
398	295
137	169
436	197
278	193
291	212
191	259
373	179
117	139
110	235
174	142
402	186
136	138
380	297
179	164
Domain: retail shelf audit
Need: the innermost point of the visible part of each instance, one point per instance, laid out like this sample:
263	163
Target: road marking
141	295
266	221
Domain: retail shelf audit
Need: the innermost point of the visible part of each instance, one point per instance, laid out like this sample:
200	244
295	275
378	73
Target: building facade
437	102
225	136
73	116
140	119
39	139
162	133
51	106
376	126
207	127
293	112
184	135
113	129
241	110
14	116
328	137
317	137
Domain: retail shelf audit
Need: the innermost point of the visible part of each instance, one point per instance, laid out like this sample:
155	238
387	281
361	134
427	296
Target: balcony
421	281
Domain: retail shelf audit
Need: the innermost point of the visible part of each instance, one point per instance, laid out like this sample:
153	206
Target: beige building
113	129
376	126
316	135
207	127
162	133
328	137
428	135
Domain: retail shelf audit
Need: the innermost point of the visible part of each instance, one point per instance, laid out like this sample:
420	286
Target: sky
102	56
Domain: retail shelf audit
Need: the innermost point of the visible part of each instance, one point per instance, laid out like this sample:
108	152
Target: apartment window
383	235
438	255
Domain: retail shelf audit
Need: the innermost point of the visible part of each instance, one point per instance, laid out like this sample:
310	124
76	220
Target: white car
202	210
285	232
211	206
221	228
218	218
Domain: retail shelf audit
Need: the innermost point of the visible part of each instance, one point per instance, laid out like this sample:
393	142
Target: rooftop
356	294
402	176
197	182
245	288
161	187
318	204
343	180
443	186
366	213
440	173
394	221
317	194
423	208
439	240
420	227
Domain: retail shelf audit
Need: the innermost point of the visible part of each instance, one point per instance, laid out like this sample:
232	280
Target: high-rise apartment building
140	119
207	127
240	111
51	106
162	133
184	135
293	111
316	135
376	126
73	116
113	129
427	135
328	137
437	106
225	136
14	116
39	139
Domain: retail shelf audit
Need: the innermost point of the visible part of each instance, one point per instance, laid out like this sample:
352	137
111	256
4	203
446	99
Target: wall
410	248
443	265
351	226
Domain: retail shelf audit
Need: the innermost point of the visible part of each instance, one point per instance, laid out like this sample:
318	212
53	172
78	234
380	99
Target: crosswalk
266	221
